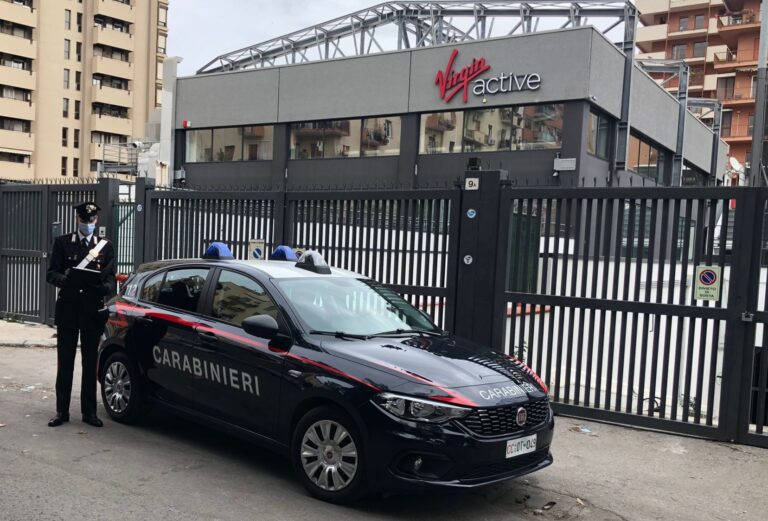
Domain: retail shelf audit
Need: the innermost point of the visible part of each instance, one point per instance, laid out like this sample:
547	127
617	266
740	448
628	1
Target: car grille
499	421
504	467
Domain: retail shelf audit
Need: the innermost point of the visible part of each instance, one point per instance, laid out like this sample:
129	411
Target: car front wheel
327	454
121	389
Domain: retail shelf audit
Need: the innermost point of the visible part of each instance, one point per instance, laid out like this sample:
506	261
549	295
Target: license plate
521	446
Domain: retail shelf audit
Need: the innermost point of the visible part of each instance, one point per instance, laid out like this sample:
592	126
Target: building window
64	136
77	109
66	78
158	95
67	19
380	136
10	157
162	16
75	167
78	79
228	144
161	43
199	145
441	132
699	49
20	31
159	72
65	108
645	159
64	166
76	138
16	125
15	93
683	23
79	51
67	44
95	165
725	88
79	22
700	21
598	135
257	143
725	124
325	139
678	51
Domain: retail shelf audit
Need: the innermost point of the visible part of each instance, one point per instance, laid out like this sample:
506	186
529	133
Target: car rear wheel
121	389
327	454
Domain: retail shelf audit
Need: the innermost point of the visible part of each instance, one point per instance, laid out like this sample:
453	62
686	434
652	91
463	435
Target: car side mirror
263	326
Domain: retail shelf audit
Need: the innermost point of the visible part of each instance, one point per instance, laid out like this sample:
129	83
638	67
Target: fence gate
597	294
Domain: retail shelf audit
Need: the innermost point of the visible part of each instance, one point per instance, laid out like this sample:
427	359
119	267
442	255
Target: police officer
82	266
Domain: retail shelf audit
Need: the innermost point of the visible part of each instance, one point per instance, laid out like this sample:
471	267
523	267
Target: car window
238	297
181	289
151	290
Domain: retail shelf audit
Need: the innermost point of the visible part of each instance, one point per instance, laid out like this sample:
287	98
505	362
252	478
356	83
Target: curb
28	344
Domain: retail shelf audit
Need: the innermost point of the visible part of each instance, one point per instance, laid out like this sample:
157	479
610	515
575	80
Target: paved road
172	469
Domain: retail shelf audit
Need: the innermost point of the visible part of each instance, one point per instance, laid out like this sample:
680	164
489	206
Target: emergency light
311	260
219	251
283	253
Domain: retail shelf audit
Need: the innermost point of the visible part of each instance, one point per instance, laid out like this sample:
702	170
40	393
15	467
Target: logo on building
451	82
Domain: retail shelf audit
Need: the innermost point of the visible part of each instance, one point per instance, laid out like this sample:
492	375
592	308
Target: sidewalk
25	334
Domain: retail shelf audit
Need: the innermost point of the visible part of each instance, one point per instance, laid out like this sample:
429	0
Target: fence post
3	285
140	217
477	251
107	193
742	297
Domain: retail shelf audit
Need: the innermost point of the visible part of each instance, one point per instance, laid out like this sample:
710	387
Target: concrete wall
653	111
606	75
697	143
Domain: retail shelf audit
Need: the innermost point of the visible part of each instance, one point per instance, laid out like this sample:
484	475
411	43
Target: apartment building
75	75
719	39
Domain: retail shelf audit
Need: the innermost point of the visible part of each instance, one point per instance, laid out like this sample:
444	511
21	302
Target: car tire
122	389
343	452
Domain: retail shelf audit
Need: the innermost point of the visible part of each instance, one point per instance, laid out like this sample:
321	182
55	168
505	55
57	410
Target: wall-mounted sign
706	283
451	82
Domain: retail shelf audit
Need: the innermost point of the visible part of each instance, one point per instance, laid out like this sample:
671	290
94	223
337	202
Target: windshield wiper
420	332
338	334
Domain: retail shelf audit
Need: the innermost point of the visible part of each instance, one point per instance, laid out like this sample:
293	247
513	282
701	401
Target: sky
200	30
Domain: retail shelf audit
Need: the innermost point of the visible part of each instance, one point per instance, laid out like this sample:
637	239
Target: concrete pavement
21	334
173	469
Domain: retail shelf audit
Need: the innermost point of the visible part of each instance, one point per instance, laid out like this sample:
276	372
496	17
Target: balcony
732	27
18	46
649	34
21	141
321	129
743	57
17	109
111	67
684	5
660	55
114	9
648	8
16	171
111	124
112	96
736	97
113	38
440	123
19	14
737	133
14	77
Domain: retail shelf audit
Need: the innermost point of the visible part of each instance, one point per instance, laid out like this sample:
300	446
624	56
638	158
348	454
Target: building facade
75	75
719	39
543	106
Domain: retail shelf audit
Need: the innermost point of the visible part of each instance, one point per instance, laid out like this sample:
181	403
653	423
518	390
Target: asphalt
167	468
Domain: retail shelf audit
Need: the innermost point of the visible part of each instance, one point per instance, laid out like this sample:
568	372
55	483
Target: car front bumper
450	455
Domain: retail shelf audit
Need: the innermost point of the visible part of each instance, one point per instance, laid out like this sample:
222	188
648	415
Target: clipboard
84	277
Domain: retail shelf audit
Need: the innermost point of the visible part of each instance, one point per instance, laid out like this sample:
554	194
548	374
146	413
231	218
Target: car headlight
419	409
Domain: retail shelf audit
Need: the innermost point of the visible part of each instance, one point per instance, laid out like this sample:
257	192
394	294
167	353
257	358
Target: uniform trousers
66	347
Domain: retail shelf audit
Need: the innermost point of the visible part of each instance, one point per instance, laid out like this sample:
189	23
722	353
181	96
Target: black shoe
58	420
92	419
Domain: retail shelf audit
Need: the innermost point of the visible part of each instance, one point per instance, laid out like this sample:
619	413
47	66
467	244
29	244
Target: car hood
446	368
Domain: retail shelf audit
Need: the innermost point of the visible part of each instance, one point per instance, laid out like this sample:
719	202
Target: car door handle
145	320
207	335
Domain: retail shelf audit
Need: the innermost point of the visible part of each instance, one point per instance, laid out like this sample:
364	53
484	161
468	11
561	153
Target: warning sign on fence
706	283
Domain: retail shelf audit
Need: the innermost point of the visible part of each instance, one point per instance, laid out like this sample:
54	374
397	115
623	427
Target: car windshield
352	306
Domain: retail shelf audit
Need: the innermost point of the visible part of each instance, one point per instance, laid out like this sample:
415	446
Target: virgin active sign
706	283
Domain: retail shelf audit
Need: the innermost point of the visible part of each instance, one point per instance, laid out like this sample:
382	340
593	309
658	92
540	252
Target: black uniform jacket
78	304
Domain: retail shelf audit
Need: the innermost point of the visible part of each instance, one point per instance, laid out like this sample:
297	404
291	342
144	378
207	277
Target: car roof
273	269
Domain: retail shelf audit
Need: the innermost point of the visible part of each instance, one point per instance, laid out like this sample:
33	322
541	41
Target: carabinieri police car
359	388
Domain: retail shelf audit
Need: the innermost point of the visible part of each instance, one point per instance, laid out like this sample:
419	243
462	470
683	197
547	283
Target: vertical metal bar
563	288
647	298
585	275
698	244
555	261
574	312
625	295
637	317
659	292
542	289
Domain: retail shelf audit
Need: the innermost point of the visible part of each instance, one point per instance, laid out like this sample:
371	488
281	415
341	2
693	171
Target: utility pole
758	132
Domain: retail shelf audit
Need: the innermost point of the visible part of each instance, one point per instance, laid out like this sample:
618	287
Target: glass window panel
441	132
237	297
199	146
678	51
489	130
699	49
653	163
325	139
257	143
700	21
542	128
182	288
684	23
633	153
380	136
644	159
592	125
228	144
603	137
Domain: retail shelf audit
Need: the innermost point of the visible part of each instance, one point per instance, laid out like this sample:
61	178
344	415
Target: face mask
86	228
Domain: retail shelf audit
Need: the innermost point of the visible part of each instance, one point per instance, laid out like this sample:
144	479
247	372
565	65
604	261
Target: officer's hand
67	282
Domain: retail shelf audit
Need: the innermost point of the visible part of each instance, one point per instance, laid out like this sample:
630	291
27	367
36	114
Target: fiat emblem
522	416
